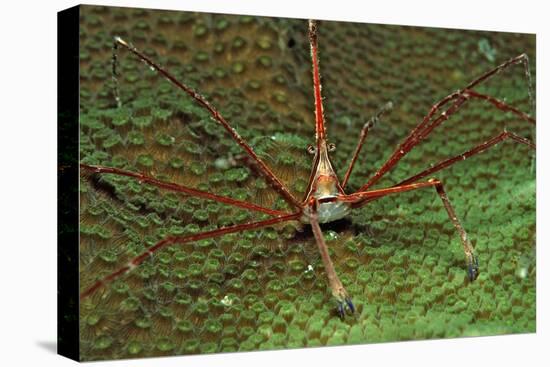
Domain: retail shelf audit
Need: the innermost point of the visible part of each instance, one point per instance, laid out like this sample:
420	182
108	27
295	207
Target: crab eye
311	149
331	147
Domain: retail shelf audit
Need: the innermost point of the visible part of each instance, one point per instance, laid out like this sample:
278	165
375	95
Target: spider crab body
324	188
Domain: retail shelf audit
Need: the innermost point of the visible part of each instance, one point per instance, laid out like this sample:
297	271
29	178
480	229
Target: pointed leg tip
341	312
350	304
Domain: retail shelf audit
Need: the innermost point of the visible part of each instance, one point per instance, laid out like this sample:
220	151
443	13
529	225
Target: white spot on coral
226	301
222	163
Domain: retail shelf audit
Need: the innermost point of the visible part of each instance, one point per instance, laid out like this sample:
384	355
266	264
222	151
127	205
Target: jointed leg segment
168	241
338	290
180	188
362	137
480	148
471	260
458	98
263	168
475	150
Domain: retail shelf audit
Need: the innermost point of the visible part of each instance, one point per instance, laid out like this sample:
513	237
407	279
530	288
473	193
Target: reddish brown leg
476	150
338	290
471	259
320	132
458	158
179	240
180	188
362	136
263	168
458	98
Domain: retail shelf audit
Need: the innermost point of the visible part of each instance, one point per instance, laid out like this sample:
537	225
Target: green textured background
399	257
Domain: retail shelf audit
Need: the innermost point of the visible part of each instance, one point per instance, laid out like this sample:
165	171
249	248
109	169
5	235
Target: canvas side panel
67	182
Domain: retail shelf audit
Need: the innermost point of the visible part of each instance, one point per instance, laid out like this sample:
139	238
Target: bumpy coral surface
399	257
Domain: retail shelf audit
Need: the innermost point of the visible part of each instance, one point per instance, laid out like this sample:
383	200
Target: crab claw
473	268
340	309
343	302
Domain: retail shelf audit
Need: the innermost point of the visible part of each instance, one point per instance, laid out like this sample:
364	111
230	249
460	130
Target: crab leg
338	290
458	158
457	98
180	188
168	241
471	259
320	131
263	168
362	137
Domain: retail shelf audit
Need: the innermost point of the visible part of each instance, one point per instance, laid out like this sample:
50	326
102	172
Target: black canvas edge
68	24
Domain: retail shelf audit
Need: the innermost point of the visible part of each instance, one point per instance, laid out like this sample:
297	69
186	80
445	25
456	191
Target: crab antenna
320	133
